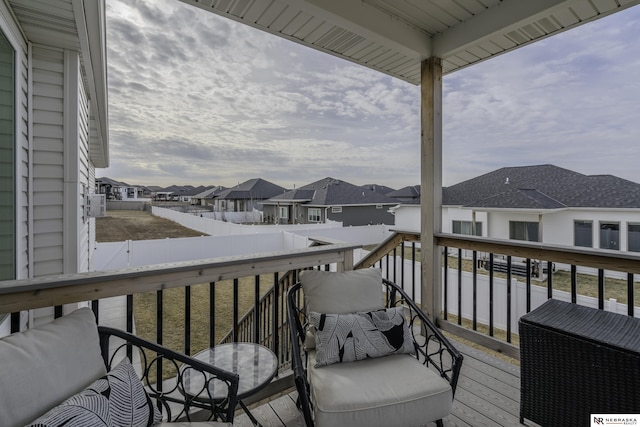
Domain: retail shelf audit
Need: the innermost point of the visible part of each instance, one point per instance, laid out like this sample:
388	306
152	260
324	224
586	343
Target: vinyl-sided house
246	196
207	196
330	199
542	203
54	134
117	190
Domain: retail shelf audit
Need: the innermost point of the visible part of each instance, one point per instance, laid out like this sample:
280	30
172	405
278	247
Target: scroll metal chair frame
175	403
432	348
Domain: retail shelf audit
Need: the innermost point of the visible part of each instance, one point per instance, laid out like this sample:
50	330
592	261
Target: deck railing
489	283
19	295
479	302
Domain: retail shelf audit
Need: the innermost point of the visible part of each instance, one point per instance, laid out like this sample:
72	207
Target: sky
199	99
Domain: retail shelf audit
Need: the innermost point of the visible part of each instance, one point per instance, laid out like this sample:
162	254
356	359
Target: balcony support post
347	262
431	185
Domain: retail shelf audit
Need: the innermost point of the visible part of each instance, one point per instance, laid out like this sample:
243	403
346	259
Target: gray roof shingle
256	188
332	192
543	187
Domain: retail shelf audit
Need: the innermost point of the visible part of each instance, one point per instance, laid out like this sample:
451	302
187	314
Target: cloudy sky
198	99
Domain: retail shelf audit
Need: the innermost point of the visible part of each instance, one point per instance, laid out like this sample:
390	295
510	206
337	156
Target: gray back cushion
342	292
41	367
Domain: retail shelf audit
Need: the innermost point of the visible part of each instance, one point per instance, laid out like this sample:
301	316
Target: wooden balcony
488	394
489	387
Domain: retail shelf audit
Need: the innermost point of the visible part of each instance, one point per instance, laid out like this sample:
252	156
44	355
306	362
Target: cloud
559	101
196	98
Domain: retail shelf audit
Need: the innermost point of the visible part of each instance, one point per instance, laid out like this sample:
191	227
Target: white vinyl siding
7	161
86	179
48	160
24	203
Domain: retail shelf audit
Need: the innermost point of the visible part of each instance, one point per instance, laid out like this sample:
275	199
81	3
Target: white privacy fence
235	217
227	239
214	227
135	253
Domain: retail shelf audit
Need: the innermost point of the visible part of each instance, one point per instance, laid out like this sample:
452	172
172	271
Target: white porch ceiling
395	36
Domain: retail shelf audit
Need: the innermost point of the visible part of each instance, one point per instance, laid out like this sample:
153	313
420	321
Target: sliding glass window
466	227
7	161
633	237
583	233
521	230
610	235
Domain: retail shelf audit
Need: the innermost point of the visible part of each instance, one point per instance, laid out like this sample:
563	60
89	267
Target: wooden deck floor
488	394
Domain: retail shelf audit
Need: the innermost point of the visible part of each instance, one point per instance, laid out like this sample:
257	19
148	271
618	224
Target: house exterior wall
19	256
48	160
361	215
62	171
86	174
498	222
557	227
296	214
407	217
350	215
63	174
49	169
450	214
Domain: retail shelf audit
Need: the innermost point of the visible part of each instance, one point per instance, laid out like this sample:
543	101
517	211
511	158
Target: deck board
488	394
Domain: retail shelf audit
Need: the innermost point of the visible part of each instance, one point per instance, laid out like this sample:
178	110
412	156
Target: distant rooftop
330	192
542	187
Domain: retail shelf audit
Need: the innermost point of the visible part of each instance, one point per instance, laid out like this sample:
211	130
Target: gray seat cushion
388	391
43	366
344	292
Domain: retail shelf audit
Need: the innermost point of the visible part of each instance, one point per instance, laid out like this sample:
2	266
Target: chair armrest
435	349
298	333
173	401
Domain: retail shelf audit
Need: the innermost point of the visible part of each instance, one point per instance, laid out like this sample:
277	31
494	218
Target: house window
609	235
633	237
523	230
466	227
283	212
583	233
314	214
7	161
336	209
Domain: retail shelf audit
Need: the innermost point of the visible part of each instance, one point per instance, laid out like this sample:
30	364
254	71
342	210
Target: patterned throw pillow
357	336
117	399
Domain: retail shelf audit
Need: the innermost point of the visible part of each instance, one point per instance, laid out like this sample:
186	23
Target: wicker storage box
577	361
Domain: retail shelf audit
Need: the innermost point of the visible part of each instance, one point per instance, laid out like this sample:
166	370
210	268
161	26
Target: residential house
247	196
542	203
179	193
55	134
330	199
117	190
407	195
206	197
